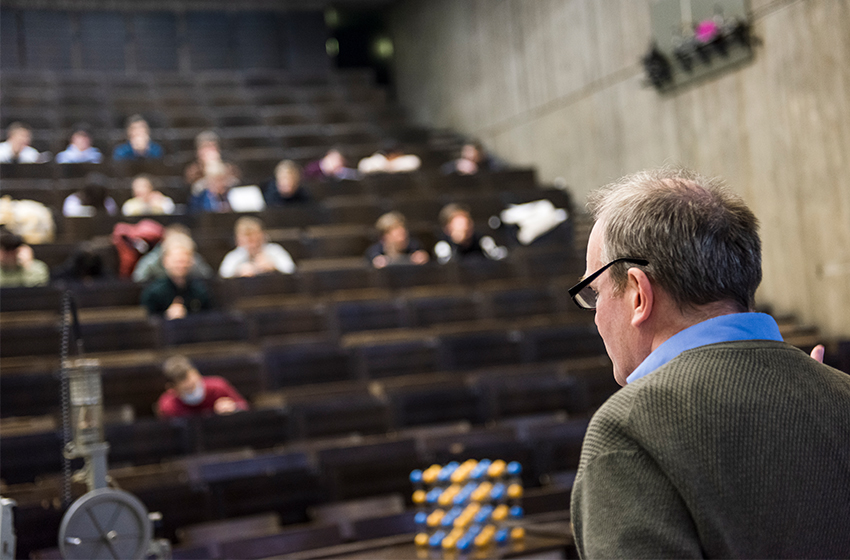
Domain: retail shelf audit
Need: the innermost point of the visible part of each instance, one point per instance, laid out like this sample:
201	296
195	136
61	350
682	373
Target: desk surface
546	538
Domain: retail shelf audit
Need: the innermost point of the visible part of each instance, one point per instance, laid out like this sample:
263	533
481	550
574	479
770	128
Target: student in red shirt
188	392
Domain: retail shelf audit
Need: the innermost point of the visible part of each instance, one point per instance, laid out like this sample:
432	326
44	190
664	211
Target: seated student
146	200
189	393
472	159
396	245
17	149
254	255
207	151
91	200
211	191
285	187
150	265
178	293
139	144
17	265
330	167
391	159
80	149
460	241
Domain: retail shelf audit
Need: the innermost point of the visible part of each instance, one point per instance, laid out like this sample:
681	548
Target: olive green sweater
737	449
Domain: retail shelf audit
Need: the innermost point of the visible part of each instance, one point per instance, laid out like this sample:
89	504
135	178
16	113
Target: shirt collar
725	328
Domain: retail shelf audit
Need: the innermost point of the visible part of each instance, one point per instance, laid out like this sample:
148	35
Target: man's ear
641	296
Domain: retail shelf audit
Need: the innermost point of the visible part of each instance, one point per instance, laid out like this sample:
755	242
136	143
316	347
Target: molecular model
468	506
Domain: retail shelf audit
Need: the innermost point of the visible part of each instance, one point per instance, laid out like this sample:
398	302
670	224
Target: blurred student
211	191
253	254
460	240
473	159
150	265
178	294
80	149
189	393
207	152
17	149
285	187
92	200
396	246
18	268
331	167
146	199
139	144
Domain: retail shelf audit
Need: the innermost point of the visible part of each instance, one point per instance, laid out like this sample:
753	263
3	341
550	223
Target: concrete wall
558	84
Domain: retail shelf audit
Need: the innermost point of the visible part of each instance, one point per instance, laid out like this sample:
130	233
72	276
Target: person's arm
168	406
231	263
166	205
36	273
238	399
155	300
623	506
280	258
31	155
111	206
146	265
229	400
201	293
129	208
64	156
155	151
375	255
5	152
122	152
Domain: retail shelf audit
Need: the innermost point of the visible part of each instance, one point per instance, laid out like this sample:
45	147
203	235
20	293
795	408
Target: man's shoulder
39	269
168	405
123	151
609	426
725	362
155	150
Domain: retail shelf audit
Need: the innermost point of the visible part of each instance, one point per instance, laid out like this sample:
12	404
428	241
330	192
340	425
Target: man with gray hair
724	441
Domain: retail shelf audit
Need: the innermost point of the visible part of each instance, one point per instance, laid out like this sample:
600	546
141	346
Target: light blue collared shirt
725	328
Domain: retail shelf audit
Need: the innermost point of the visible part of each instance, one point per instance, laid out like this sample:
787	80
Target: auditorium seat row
131	376
186	102
290	479
37	182
377	409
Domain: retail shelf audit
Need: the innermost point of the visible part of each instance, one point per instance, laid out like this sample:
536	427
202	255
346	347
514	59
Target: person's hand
156	198
380	261
246	269
818	352
467	167
176	310
224	405
25	256
263	264
419	257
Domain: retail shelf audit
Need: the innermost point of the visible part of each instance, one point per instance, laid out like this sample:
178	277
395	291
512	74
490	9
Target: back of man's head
176	368
700	239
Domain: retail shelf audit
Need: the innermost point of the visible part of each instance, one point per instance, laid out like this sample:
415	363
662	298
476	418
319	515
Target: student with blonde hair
396	246
253	254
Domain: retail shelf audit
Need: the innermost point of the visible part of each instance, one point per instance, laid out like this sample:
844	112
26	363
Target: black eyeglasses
584	295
